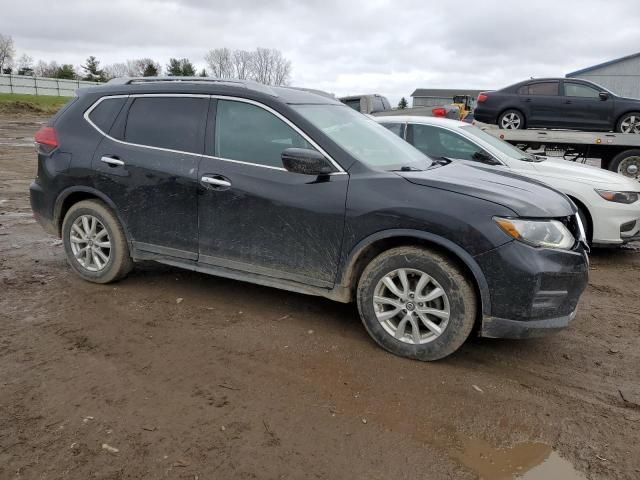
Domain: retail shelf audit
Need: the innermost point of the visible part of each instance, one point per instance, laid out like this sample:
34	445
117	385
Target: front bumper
533	291
493	327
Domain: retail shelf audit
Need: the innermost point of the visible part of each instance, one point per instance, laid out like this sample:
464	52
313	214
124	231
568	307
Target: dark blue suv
292	189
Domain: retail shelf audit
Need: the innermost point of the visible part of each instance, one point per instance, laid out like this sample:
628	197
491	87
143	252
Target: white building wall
622	78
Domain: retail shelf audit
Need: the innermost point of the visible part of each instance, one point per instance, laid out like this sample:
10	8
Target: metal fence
41	85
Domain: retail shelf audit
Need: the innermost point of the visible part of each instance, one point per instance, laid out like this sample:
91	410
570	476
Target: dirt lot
241	381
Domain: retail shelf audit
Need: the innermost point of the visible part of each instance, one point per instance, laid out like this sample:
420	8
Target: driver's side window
251	134
438	142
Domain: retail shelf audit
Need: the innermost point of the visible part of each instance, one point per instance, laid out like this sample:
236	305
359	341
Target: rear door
582	107
254	215
148	165
540	102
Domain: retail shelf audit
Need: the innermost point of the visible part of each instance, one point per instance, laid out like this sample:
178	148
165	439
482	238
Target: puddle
524	461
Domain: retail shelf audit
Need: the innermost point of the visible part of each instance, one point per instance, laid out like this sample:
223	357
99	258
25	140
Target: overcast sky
345	47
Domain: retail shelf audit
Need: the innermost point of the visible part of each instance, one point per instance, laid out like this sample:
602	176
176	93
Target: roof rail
248	84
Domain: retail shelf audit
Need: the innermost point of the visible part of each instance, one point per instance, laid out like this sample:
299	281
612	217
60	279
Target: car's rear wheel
416	303
511	120
95	243
629	123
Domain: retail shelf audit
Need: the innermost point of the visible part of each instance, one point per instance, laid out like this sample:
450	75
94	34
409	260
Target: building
430	97
621	76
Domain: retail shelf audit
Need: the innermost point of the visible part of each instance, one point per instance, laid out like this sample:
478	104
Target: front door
254	215
582	107
148	165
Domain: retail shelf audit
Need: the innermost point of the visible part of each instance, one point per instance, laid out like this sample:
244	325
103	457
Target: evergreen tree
188	70
150	70
66	71
403	103
203	73
174	69
92	71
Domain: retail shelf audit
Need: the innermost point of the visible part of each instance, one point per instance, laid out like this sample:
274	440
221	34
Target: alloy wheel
630	124
411	306
90	243
511	121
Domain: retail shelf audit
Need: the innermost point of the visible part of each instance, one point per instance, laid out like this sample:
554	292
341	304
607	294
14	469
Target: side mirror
603	95
306	162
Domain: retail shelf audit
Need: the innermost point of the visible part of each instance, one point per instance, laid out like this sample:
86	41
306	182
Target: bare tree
270	67
7	52
25	65
116	70
220	63
242	64
281	68
44	69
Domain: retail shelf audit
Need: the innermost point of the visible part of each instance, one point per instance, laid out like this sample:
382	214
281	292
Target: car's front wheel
511	120
95	243
416	303
629	123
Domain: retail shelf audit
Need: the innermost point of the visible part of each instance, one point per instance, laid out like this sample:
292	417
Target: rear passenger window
175	123
251	134
539	88
106	112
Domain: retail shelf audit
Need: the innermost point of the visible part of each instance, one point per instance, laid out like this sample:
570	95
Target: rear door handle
216	181
112	162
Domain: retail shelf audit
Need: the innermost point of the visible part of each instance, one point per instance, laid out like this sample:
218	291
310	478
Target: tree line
264	65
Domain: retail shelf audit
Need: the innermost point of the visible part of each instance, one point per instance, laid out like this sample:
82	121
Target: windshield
501	145
366	140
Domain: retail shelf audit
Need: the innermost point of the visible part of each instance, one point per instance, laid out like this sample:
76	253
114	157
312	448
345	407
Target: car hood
525	196
587	174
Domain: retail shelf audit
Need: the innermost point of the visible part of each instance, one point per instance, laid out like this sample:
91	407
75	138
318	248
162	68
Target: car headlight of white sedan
618	197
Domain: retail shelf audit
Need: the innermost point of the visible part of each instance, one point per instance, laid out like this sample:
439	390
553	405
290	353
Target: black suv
558	103
292	189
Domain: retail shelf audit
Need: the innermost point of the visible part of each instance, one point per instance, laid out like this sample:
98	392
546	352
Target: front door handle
216	181
112	162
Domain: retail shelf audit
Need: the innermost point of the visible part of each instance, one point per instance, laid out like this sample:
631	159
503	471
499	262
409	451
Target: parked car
289	189
558	103
608	203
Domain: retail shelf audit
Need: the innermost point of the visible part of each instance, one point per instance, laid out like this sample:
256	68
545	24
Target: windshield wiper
406	168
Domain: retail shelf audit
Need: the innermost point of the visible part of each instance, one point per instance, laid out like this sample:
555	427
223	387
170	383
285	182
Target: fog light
628	227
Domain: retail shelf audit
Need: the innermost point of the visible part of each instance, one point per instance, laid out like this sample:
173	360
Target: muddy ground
241	381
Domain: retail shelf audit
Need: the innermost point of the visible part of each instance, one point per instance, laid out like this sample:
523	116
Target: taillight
482	98
439	112
47	139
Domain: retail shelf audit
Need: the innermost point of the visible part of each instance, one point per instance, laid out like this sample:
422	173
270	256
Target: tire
512	120
627	163
425	344
629	123
93	266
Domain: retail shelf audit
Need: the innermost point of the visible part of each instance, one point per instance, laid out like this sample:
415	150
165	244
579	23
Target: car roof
445	122
210	86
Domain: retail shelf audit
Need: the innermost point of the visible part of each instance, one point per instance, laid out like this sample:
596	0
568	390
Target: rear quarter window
105	113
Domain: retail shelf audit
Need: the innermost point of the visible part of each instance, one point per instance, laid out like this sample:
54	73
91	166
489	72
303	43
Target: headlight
618	197
539	233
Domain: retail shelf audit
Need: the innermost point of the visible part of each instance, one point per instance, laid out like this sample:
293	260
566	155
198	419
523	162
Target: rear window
106	112
355	104
174	123
539	88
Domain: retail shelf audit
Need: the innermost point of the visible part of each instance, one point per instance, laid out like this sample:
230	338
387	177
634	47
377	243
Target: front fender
445	244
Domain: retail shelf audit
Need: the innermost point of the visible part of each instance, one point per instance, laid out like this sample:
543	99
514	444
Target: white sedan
609	203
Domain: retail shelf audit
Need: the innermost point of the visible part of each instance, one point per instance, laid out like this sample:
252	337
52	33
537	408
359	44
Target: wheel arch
626	112
72	195
373	245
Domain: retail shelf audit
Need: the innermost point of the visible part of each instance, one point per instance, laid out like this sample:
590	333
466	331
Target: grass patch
18	103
